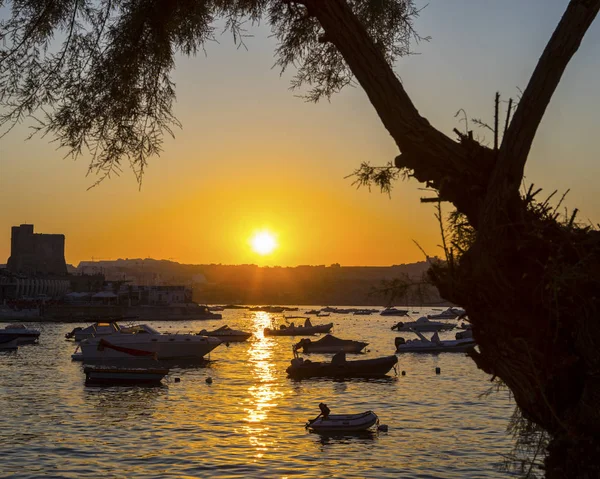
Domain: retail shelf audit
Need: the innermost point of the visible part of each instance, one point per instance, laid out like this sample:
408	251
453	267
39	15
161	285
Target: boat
466	334
433	345
307	330
312	311
363	312
330	344
97	329
228	335
143	342
100	375
8	342
343	422
21	333
423	325
394	312
340	368
321	314
450	313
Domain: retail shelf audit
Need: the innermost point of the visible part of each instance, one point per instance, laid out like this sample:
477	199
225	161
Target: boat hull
8	343
340	423
161	347
366	368
124	376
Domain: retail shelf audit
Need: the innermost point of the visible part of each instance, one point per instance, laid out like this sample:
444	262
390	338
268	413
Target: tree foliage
96	74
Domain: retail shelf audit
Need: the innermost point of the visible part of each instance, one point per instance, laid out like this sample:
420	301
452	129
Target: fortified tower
36	253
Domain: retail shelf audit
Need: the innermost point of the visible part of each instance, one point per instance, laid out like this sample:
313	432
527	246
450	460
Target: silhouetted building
35	254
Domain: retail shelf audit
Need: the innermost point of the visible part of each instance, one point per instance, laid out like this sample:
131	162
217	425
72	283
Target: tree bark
529	284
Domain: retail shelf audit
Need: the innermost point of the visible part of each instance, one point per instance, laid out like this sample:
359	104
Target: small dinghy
330	344
123	375
227	335
340	368
340	423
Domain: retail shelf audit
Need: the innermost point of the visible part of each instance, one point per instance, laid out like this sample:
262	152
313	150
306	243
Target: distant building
36	254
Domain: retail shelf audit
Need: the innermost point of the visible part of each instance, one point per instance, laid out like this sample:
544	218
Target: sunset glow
263	243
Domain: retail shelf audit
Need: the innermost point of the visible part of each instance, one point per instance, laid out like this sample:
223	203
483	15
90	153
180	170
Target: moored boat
423	325
226	334
21	333
340	368
433	345
394	312
450	313
144	342
339	423
330	344
100	375
292	330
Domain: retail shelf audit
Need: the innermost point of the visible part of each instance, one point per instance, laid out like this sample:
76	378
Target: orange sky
252	156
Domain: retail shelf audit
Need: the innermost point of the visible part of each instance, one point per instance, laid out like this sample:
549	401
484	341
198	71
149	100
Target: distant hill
251	284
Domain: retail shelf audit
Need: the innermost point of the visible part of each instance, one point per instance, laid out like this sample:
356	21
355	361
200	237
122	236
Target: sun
263	242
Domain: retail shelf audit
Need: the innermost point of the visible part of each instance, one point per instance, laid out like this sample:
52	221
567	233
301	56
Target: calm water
250	421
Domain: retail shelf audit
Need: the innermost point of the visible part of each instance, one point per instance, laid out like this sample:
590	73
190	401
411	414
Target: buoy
227	344
403	373
209	380
177	380
382	427
438	370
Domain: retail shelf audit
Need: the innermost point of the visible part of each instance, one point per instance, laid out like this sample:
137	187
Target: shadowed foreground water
250	421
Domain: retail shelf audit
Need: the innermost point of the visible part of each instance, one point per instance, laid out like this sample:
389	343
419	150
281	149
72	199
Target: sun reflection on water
263	394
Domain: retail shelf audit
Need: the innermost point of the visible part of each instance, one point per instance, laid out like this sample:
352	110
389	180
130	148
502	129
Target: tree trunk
529	284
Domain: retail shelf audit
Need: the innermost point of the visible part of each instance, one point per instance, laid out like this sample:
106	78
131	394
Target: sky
252	156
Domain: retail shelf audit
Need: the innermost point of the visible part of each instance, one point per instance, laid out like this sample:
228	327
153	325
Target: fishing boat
8	342
340	368
330	344
394	312
292	330
227	335
21	333
343	422
433	345
100	375
423	325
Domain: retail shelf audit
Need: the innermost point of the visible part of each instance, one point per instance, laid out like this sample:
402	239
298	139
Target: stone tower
36	253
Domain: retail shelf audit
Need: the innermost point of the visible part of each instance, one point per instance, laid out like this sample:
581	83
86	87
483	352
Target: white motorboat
144	342
394	312
450	313
8	342
423	325
340	423
21	333
93	331
433	345
227	335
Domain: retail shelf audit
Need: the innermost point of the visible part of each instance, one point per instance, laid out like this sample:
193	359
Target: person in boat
324	410
307	323
435	338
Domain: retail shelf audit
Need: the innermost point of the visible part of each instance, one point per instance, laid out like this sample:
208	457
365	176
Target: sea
249	421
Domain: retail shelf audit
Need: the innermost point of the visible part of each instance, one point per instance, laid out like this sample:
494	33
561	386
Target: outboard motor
398	326
399	341
72	333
